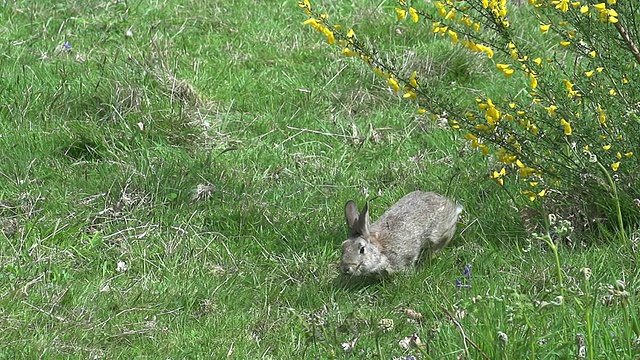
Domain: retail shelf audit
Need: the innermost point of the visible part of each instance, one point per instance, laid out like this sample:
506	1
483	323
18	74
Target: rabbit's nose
347	269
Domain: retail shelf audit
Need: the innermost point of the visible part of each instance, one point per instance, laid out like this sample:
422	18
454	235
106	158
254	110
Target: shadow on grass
357	283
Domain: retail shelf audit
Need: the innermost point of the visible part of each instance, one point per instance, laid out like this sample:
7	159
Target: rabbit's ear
362	225
358	224
351	213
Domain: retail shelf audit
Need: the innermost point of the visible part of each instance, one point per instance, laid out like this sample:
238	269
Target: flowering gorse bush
570	125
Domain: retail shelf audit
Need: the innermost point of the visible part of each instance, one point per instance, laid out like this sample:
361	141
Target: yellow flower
544	28
481	48
600	6
414	14
567	127
411	94
313	22
589	73
602	117
527	171
421	111
532	195
493	115
348	52
569	86
534	80
489	52
471	137
453	35
584	9
351	34
615	165
401	13
394	84
592	54
562	5
329	34
482	127
381	73
466	21
306	5
629	154
565	43
451	15
498	176
413	79
513	51
551	110
441	9
606	147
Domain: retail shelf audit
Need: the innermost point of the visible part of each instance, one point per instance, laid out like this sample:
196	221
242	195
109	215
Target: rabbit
419	221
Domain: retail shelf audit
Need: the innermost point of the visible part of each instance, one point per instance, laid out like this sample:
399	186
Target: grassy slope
108	143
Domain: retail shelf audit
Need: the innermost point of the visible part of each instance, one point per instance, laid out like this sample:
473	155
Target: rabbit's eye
362	250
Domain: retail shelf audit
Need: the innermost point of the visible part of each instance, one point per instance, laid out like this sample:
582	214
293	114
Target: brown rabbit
420	220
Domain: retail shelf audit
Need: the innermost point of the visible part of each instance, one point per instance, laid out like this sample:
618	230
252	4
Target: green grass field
173	180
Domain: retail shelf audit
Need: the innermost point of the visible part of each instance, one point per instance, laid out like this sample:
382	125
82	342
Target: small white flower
349	346
385	325
504	339
582	347
558	300
122	266
411	341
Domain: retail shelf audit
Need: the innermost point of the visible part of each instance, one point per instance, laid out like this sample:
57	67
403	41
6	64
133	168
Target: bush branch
627	39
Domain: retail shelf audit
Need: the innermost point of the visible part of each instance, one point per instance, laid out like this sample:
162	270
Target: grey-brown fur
420	220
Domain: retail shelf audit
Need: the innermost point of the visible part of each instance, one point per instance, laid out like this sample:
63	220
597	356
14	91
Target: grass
173	187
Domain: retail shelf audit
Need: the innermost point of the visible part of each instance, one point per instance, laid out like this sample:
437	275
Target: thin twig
464	336
319	132
627	39
59	318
